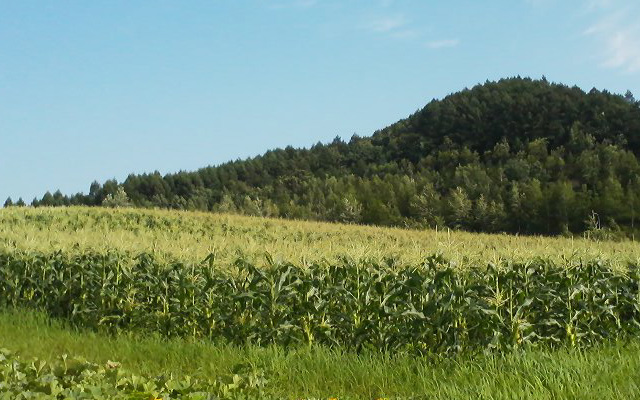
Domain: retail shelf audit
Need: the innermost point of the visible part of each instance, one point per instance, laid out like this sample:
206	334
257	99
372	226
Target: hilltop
517	155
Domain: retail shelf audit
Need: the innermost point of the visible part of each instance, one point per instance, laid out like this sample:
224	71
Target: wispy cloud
441	44
398	26
613	28
616	30
305	3
387	24
383	19
539	3
599	4
405	34
292	4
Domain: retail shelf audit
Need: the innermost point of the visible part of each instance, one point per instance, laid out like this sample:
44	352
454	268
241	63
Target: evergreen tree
459	208
425	207
251	206
516	155
480	214
226	205
118	199
47	200
628	96
350	210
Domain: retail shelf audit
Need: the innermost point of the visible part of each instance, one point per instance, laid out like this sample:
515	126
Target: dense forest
519	155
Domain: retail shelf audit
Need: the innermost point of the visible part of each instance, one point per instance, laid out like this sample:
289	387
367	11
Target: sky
94	90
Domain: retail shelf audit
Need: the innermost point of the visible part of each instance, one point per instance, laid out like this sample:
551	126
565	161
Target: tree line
518	155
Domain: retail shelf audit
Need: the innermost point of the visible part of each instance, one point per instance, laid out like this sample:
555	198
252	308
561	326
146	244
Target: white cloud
599	4
305	3
405	34
623	50
539	3
617	33
588	4
441	44
613	28
279	5
386	24
395	26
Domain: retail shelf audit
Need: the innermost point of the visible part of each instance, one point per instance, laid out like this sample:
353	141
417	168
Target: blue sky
99	89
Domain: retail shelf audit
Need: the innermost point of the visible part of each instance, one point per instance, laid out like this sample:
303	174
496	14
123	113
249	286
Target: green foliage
429	308
459	207
79	379
118	199
226	205
316	327
602	372
426	206
529	156
349	210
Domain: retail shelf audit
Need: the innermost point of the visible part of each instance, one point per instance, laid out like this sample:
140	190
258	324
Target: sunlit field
192	236
197	304
602	372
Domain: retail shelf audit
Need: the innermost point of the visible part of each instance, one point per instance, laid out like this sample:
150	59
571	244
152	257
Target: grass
192	236
605	372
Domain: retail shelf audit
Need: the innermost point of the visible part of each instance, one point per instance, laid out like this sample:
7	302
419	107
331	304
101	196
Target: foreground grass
604	372
192	236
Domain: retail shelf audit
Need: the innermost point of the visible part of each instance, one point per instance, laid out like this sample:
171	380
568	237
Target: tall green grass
609	371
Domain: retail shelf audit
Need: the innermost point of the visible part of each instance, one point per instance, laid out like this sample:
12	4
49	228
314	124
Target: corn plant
433	307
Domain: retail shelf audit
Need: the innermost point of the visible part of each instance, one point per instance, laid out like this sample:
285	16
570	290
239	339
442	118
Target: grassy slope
192	236
611	371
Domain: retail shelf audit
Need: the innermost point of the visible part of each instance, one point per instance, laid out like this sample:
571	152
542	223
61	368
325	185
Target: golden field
192	236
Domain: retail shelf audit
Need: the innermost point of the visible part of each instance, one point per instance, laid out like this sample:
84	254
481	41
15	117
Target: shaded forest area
518	155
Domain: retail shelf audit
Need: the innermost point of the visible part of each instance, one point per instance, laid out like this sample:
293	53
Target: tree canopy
517	155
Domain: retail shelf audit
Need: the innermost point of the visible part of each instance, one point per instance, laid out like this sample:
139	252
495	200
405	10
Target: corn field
192	236
433	307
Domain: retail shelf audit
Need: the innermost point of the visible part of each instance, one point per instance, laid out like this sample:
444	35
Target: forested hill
517	111
518	155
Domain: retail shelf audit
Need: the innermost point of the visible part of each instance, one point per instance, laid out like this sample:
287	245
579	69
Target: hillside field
192	236
200	305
